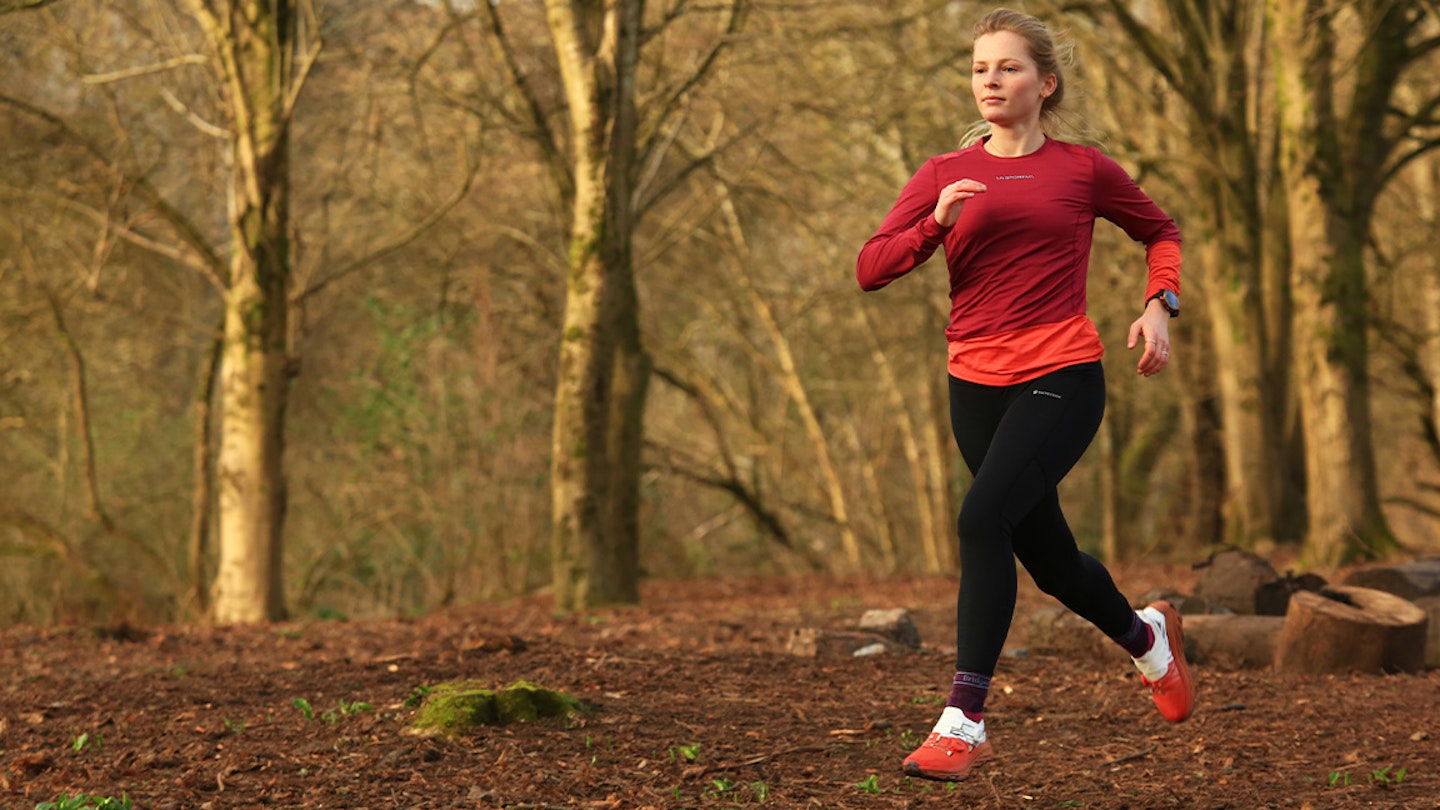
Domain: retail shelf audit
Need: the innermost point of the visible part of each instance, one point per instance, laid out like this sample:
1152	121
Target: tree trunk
1212	60
202	501
256	45
1328	225
1428	294
1350	629
603	371
1248	437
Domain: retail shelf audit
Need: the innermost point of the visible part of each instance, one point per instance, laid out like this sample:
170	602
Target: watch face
1171	300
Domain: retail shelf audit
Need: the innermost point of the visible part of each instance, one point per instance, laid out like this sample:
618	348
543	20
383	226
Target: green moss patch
453	707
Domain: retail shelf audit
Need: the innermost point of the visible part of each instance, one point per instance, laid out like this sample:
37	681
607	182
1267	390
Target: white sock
954	723
1154	663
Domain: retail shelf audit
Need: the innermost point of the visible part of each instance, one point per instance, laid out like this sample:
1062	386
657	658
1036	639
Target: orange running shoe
1164	668
954	747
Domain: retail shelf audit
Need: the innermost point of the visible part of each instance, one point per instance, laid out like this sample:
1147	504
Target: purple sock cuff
969	692
1137	639
973	680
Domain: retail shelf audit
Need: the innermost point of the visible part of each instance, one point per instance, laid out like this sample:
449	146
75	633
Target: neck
1015	141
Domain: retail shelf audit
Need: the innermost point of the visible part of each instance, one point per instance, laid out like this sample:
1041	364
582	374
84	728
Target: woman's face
1008	86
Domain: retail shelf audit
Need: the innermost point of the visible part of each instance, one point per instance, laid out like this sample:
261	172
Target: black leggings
1019	441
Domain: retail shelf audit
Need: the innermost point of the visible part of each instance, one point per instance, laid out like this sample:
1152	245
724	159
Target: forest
378	307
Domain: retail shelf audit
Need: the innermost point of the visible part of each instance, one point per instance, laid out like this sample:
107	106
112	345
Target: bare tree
263	52
1343	137
604	370
1212	63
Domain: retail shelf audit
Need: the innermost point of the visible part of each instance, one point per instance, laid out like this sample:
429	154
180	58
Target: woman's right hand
952	199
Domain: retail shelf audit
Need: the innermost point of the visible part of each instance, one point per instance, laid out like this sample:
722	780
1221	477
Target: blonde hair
1048	57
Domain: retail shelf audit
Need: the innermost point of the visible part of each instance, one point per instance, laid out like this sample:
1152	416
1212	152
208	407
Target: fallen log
1345	628
1223	641
1411	580
1232	641
1418	581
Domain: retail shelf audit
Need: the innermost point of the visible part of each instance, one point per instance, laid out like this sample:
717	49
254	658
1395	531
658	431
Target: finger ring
1150	341
1165	354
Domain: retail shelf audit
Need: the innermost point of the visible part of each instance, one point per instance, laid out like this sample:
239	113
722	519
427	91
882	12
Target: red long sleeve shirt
1019	254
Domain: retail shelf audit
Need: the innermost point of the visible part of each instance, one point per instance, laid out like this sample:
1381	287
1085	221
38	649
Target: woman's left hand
1153	326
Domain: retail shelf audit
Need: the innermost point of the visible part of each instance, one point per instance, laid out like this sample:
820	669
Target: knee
977	521
1052	579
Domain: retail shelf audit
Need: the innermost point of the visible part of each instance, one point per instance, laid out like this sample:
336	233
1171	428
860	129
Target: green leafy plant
761	791
80	741
235	726
685	752
82	802
345	709
1339	778
1385	776
305	709
870	784
719	786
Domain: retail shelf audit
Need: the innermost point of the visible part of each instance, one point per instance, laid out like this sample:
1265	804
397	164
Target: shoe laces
950	745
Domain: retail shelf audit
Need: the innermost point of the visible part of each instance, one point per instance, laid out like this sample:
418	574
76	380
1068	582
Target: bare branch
404	238
676	95
1421	148
307	61
184	228
175	253
543	134
9	6
185	112
145	70
96	507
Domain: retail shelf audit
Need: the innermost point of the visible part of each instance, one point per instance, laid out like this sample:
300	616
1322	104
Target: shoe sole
1176	636
983	754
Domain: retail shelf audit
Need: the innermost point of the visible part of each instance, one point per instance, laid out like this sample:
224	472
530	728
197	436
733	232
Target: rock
1412	580
813	642
1231	578
895	624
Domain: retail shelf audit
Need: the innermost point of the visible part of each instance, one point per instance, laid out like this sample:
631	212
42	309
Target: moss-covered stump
454	707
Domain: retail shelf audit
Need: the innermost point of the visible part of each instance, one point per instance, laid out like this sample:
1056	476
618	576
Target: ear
1048	88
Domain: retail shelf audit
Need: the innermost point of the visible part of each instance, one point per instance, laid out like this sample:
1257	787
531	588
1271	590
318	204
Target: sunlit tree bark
1338	66
604	370
257	49
1211	62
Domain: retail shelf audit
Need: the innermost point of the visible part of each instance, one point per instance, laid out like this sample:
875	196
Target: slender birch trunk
920	490
603	371
795	389
255	42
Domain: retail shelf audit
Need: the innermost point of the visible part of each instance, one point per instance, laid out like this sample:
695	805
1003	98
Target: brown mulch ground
694	702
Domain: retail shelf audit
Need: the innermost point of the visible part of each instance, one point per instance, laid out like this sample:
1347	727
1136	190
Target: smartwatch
1169	300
